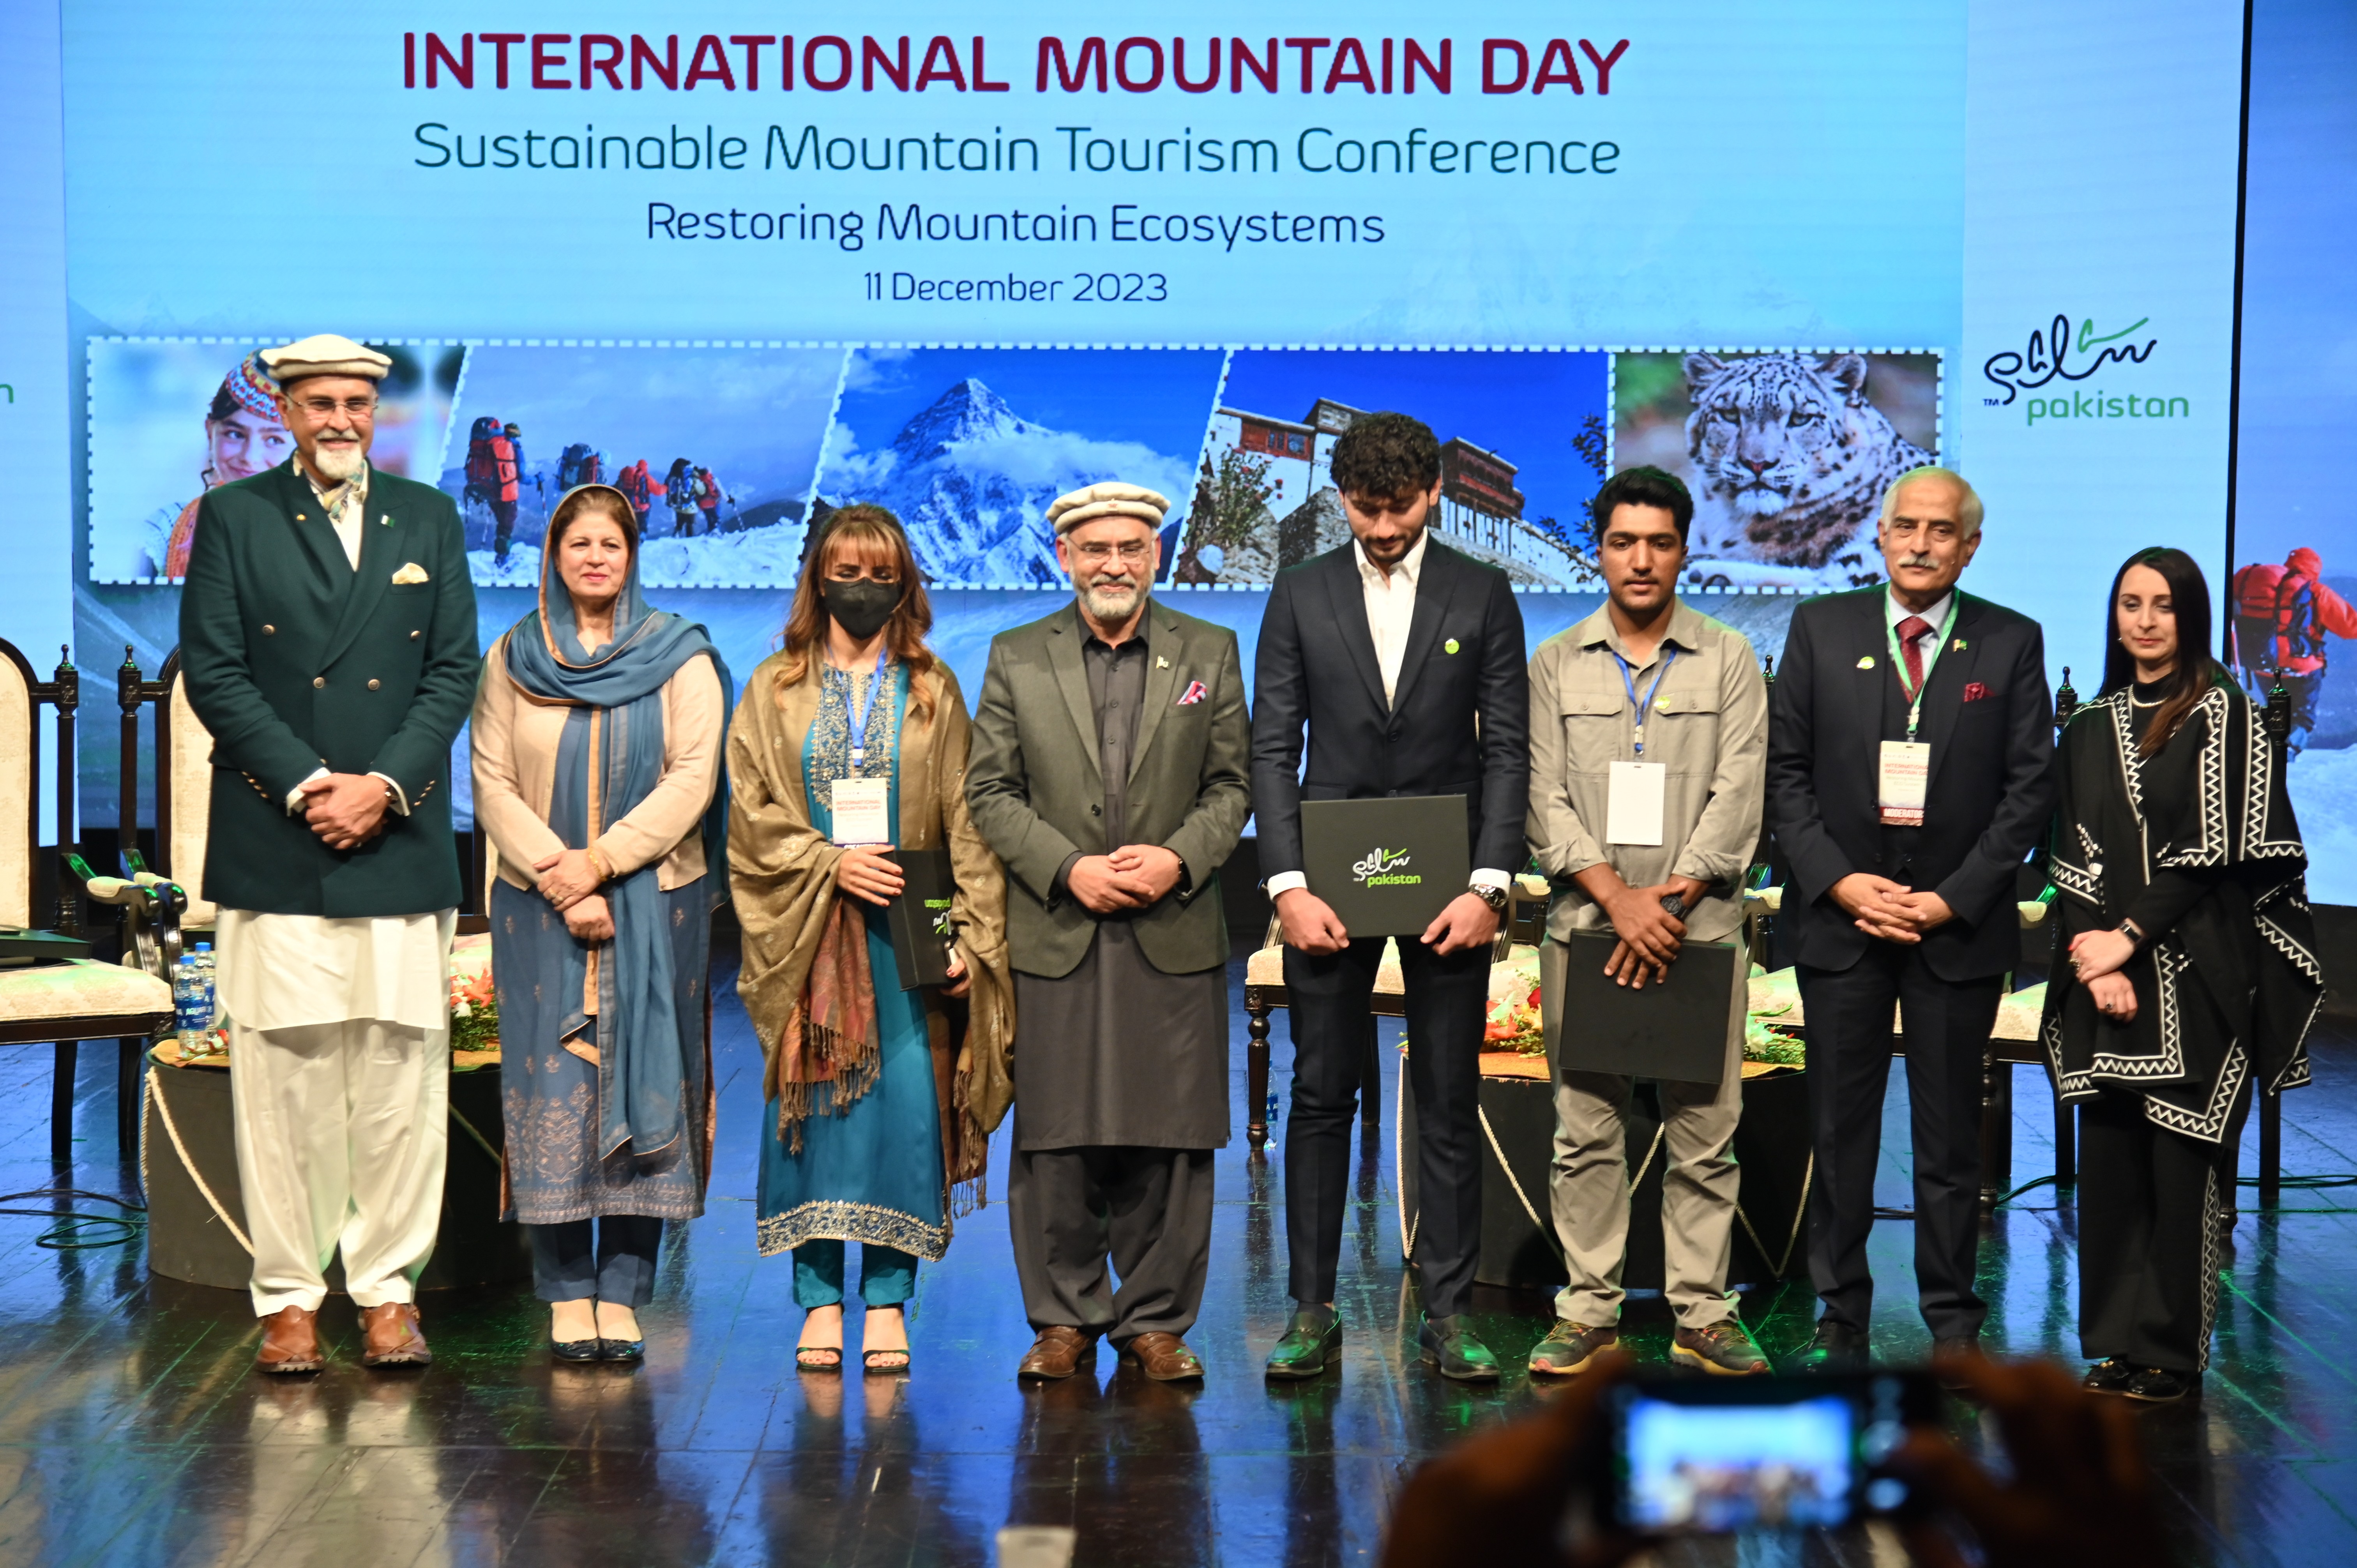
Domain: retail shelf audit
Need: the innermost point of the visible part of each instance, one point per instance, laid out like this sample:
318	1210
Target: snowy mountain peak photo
968	411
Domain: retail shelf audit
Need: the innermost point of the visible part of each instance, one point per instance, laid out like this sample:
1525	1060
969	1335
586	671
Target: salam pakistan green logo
941	907
1384	868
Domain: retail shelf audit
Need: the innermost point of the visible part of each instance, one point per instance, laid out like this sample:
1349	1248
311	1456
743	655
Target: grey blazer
1034	790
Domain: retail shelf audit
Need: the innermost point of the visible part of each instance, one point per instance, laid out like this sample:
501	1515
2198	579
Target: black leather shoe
574	1349
622	1349
1838	1348
1312	1341
1449	1346
2108	1375
2156	1385
1949	1349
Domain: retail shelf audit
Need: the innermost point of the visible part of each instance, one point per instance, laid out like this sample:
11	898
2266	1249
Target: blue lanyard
857	721
1628	679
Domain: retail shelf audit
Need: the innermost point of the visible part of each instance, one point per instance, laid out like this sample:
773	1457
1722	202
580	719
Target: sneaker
1724	1349
1569	1348
2108	1375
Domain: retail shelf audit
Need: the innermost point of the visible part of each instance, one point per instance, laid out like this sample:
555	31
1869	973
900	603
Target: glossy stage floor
132	1430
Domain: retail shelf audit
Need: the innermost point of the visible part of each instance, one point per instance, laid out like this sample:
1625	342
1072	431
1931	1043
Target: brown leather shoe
290	1342
392	1337
1057	1353
1163	1357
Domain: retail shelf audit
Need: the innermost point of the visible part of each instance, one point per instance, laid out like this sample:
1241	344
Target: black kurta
1117	1052
2197	845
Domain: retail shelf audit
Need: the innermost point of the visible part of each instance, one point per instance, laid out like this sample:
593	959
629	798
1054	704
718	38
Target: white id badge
863	810
1900	781
1632	802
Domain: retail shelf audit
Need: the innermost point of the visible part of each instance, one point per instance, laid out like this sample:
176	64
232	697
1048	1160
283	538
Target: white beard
1109	608
341	464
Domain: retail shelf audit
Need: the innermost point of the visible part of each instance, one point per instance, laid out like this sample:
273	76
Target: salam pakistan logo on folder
1386	866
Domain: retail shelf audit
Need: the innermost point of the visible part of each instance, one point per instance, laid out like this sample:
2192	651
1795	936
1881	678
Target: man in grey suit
1110	772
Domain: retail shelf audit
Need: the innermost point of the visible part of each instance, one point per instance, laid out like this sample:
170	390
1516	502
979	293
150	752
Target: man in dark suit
1108	772
1404	662
1909	734
328	633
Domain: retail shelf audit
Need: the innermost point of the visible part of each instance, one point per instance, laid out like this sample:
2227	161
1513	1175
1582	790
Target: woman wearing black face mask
852	741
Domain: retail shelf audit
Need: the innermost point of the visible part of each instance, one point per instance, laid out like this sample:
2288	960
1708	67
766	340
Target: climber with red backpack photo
579	465
492	472
708	496
637	483
2282	615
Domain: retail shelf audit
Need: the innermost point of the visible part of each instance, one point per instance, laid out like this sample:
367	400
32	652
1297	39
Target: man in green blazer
1111	772
328	640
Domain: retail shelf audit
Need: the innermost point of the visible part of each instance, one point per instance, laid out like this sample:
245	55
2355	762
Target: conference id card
1632	802
863	810
1901	781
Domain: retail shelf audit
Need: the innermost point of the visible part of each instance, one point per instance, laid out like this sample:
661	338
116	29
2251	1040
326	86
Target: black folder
1675	1030
920	917
1386	866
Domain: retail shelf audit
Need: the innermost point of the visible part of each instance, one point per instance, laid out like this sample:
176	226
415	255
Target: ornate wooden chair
80	999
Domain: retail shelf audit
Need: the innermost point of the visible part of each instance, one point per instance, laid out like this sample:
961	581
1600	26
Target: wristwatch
1493	897
1676	904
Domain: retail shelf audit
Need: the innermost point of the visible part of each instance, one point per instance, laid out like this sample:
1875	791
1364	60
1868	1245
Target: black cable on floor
81	1232
2301	1183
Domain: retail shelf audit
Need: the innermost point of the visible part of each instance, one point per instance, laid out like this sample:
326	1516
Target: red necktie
1909	629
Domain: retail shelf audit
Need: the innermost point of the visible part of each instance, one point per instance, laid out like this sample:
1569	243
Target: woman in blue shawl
597	737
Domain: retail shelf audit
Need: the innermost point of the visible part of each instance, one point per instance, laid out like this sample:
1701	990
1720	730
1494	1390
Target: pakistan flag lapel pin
1958	645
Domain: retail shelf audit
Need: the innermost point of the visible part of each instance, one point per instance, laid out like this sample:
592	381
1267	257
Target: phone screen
1771	1454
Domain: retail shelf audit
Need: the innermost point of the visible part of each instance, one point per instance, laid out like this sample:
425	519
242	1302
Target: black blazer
1459	723
1990	794
295	661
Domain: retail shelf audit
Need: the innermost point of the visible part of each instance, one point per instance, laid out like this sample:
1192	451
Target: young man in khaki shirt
1646	680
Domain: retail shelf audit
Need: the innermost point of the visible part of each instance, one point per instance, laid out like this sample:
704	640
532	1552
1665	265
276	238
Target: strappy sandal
869	1362
803	1354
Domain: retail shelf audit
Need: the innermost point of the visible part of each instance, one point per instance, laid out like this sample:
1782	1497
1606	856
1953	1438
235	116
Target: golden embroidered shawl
781	875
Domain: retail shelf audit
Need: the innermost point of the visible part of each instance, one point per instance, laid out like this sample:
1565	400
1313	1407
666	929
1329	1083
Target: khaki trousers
1588	1185
342	1133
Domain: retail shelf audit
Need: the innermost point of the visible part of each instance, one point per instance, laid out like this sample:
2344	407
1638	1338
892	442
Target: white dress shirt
347	509
1391	611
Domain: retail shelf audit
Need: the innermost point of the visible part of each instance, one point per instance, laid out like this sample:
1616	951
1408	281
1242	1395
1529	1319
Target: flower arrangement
1514	1025
474	1013
1766	1040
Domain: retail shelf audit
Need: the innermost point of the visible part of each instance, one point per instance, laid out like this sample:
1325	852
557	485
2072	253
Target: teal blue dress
871	1172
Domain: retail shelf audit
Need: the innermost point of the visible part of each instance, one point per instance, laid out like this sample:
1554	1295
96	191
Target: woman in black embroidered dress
2192	976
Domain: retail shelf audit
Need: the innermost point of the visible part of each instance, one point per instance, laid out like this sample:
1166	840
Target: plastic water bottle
206	963
191	1006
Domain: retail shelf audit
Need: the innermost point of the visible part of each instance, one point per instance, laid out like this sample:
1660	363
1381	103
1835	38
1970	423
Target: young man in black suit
1404	662
1909	734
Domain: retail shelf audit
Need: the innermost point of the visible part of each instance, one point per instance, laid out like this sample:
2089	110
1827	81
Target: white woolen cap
1111	498
324	354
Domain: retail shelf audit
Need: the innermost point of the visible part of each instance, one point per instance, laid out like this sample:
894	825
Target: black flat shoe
1838	1348
2108	1375
2156	1385
622	1349
1312	1341
1449	1346
574	1349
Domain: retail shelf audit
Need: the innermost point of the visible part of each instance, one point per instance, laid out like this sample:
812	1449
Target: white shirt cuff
1489	878
1286	882
295	797
400	799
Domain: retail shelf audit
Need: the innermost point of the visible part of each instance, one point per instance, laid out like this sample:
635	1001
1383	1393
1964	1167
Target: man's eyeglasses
1130	550
322	407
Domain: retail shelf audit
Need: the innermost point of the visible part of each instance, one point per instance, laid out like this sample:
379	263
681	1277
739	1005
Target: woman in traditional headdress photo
598	742
244	436
850	742
2190	976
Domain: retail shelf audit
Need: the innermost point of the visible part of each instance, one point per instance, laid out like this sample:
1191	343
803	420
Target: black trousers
2149	1252
1147	1210
1327	1000
1947	1026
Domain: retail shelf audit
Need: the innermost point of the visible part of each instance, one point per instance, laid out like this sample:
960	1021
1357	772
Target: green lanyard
1899	664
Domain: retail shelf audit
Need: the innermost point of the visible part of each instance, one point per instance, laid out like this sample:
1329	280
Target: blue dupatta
609	758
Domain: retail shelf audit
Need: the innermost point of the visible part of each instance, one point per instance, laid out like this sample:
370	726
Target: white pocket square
412	573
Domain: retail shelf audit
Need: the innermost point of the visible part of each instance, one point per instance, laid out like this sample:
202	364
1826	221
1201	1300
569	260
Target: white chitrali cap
324	354
1110	499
